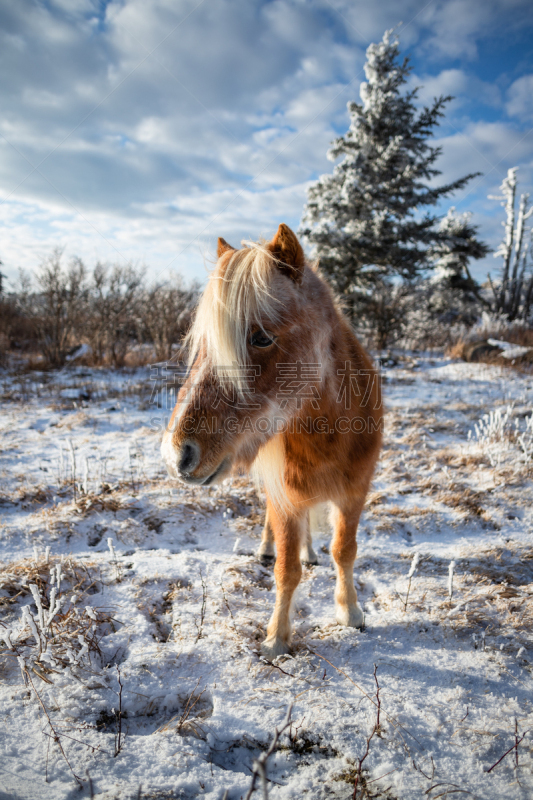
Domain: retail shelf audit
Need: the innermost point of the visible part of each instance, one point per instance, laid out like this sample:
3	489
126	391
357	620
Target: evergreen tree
365	218
457	244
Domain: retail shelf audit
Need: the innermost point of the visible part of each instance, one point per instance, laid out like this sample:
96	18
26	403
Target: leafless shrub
14	327
417	315
382	314
115	292
165	315
109	310
56	306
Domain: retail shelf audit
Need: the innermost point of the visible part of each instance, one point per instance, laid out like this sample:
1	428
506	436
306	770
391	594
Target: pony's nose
189	457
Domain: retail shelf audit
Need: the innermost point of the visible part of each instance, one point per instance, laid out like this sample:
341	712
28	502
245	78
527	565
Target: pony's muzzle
188	458
189	469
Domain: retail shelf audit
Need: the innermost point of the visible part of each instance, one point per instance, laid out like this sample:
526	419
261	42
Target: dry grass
250	575
402	512
521	337
108	500
16	577
197	707
492	595
26	496
65	630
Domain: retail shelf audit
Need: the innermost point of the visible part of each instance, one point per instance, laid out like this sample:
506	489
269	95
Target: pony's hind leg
288	571
344	550
266	552
307	554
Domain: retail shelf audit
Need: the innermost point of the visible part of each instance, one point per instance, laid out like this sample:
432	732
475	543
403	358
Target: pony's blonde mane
232	303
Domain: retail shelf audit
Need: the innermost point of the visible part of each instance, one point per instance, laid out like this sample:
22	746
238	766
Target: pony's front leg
267	553
344	550
288	571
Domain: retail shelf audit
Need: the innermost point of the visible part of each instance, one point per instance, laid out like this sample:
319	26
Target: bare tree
513	293
165	315
115	292
57	305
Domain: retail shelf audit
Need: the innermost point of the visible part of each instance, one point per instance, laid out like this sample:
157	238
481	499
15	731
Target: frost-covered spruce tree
456	246
452	293
365	219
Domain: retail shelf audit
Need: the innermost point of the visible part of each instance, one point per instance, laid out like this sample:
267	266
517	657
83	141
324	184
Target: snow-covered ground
177	613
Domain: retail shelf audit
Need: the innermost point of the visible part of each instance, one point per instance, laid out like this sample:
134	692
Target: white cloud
456	26
487	147
154	125
520	98
462	86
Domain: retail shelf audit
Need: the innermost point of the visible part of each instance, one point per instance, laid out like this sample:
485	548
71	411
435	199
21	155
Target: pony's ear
223	247
286	248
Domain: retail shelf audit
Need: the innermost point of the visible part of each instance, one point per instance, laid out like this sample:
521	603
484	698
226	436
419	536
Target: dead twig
513	747
91	787
259	766
375	730
275	666
55	736
119	741
382	776
390	718
202	610
419	769
185	721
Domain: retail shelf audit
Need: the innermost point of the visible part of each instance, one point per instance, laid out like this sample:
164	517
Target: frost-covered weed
55	633
525	439
414	566
451	569
492	427
493	325
114	560
502	435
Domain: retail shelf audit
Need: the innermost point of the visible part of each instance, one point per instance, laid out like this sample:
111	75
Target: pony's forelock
234	300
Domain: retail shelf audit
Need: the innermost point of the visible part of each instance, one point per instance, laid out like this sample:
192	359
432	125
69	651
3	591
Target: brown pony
278	382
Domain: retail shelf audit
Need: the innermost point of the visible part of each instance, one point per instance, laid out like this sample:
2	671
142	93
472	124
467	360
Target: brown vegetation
121	320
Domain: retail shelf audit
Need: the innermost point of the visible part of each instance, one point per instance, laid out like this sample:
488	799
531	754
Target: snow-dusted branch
259	768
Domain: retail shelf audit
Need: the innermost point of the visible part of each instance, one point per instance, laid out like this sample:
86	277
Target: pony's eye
261	339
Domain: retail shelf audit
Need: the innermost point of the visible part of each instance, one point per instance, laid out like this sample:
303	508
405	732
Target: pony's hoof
309	557
271	648
351	616
266	555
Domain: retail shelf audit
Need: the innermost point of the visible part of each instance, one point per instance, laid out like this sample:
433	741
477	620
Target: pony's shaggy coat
301	406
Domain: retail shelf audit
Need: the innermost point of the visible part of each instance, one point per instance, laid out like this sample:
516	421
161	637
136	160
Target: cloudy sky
140	130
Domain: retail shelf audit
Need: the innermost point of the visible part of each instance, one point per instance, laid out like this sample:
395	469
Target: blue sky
141	130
